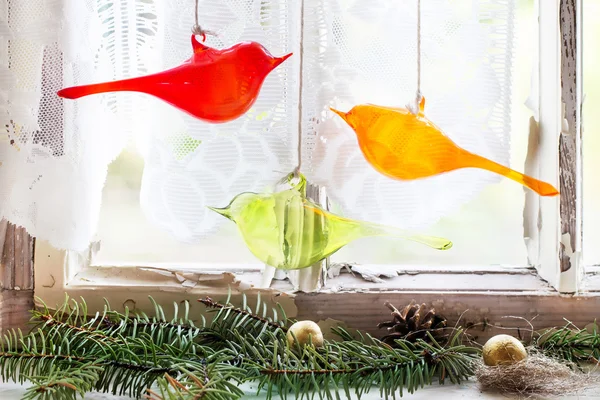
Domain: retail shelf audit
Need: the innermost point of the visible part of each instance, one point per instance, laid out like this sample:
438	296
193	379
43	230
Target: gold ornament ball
302	330
503	350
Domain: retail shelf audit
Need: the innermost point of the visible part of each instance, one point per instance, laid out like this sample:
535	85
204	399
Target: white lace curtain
54	153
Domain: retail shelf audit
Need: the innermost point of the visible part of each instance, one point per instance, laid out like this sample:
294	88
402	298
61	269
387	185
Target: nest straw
536	375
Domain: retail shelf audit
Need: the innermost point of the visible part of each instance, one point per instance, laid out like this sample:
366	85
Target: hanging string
297	169
418	48
414	108
197	29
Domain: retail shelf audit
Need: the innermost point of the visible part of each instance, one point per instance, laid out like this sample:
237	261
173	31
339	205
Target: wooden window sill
481	297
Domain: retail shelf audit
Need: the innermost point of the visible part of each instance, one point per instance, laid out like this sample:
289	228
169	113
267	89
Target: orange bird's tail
540	187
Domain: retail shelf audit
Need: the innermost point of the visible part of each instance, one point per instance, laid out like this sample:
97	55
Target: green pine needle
571	343
70	353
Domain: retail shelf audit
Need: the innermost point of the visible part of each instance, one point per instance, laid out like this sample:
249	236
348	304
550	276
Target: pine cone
413	323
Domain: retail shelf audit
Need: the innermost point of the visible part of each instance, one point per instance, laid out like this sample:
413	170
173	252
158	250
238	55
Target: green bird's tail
347	230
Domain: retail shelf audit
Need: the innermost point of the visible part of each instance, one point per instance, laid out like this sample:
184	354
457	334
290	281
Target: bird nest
536	375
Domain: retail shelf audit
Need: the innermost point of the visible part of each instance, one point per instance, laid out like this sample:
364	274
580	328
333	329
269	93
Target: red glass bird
213	85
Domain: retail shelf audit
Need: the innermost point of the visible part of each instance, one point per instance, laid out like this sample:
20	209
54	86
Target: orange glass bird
213	85
404	145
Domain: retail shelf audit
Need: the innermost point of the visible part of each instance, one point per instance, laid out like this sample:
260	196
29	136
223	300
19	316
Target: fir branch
571	343
71	353
271	371
47	363
127	366
50	321
160	329
113	328
360	367
139	367
134	322
210	303
141	320
4	355
62	384
215	379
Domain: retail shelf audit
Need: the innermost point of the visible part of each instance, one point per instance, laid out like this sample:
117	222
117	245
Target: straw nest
536	375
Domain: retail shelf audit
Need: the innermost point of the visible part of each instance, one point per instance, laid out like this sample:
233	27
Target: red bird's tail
125	85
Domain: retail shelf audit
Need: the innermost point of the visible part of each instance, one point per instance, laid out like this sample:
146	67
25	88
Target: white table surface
12	391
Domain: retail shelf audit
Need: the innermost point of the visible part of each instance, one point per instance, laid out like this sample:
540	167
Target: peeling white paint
188	284
570	279
574	256
336	269
372	273
565	240
268	275
564	127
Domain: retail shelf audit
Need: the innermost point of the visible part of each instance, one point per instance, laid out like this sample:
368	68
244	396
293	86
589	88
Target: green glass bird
288	231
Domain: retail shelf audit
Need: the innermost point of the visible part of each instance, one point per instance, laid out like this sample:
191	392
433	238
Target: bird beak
345	116
278	60
340	113
226	212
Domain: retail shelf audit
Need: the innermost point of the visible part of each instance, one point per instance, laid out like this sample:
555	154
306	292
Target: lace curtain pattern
367	53
54	153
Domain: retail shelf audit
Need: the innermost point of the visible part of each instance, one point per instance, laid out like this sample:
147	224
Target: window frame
492	292
559	219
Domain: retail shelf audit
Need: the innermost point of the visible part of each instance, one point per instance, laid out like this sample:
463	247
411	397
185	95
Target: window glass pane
157	192
127	236
486	224
467	63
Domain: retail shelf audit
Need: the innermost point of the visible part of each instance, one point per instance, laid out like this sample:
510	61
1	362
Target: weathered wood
489	294
487	314
570	136
15	307
16	258
16	276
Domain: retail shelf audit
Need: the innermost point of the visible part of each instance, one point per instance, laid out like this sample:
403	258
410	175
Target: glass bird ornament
287	231
213	85
405	146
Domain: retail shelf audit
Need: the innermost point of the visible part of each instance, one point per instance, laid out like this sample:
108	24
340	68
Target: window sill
481	298
363	278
